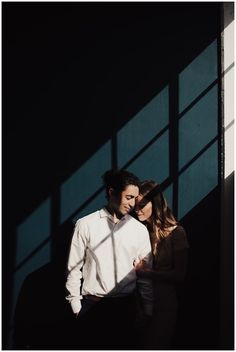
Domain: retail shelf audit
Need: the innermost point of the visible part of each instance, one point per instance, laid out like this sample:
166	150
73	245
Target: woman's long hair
162	217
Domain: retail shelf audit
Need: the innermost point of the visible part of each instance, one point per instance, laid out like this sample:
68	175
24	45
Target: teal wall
142	145
136	90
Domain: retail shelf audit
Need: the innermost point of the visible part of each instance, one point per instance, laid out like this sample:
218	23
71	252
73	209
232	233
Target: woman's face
143	212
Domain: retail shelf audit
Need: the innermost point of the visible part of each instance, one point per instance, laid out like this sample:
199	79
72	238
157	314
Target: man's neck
116	216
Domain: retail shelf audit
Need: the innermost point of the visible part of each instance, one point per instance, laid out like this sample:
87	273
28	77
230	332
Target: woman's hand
139	264
141	268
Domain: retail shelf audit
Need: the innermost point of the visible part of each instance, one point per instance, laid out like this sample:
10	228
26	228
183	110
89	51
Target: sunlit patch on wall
143	127
198	126
33	248
153	163
168	194
96	203
33	232
85	182
198	76
200	178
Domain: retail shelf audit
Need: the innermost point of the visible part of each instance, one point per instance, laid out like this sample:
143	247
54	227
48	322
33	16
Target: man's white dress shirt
103	253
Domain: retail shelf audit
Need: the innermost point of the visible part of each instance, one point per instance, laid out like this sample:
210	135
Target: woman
170	249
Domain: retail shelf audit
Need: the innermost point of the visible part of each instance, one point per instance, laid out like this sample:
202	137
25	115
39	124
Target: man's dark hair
119	180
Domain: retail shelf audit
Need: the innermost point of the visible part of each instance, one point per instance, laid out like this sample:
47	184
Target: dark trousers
106	324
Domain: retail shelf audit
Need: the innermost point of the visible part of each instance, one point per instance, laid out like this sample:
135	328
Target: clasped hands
142	269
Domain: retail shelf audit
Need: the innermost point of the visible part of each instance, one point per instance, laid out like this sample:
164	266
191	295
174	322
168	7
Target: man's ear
111	192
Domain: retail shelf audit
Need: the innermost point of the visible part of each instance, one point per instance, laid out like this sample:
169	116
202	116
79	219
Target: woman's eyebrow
142	203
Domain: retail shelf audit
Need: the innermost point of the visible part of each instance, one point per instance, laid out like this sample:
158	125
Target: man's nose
132	203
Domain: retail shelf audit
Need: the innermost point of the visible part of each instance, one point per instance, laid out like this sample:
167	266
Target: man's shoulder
137	223
88	218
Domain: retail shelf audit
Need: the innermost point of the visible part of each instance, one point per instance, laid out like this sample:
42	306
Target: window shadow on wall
142	146
173	139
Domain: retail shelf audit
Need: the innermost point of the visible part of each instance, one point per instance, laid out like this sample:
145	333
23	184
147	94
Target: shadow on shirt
43	318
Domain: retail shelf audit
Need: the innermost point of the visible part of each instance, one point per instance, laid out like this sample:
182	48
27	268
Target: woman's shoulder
179	229
179	237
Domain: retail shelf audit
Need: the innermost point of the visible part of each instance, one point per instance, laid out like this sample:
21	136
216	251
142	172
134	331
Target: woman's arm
176	274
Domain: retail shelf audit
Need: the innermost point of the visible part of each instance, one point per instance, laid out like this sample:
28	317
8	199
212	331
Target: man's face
124	203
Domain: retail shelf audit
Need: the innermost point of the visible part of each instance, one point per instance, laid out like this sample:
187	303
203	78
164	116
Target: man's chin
124	212
128	211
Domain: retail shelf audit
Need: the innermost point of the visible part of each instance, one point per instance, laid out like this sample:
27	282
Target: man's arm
75	263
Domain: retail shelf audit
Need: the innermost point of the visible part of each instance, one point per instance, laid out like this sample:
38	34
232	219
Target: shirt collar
105	213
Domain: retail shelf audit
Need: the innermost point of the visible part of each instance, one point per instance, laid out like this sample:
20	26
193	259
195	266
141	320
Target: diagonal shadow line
207	146
37	249
119	284
200	96
137	155
150	142
42	244
114	257
122	283
174	141
90	199
221	71
227	69
229	125
114	151
93	249
153	140
166	183
163	185
142	150
111	234
194	102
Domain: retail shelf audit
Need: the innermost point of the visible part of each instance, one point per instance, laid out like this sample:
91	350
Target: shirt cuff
76	305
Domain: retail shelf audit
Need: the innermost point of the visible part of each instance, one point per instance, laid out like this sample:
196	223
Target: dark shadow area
74	68
199	313
44	320
227	245
73	77
43	317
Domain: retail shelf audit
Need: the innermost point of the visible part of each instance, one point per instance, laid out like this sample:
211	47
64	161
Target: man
101	276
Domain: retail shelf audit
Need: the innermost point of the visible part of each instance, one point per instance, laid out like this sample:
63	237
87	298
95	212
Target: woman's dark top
169	268
170	261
